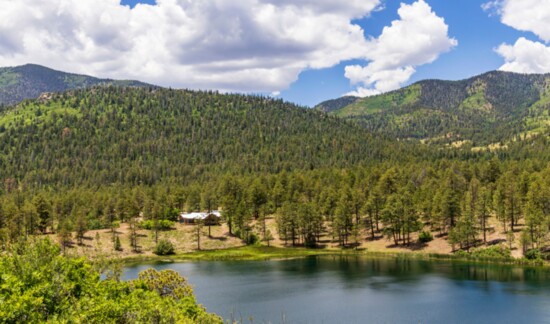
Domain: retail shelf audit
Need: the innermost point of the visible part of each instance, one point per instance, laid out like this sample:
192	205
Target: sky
304	51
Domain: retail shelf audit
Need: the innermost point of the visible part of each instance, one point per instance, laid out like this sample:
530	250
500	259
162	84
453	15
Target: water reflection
350	289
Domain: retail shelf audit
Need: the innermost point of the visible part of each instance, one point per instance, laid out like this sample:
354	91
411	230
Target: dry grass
99	242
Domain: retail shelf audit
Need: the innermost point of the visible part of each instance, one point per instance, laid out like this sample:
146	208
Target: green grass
261	253
245	253
383	102
476	99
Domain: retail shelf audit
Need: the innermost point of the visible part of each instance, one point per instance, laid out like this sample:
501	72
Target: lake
356	289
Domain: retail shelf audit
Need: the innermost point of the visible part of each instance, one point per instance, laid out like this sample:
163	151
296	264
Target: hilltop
30	81
490	108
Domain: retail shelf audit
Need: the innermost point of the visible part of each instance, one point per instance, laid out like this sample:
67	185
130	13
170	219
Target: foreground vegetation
39	284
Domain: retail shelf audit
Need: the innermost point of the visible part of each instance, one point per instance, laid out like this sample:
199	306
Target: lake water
366	290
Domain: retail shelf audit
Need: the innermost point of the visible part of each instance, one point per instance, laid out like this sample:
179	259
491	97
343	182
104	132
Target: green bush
252	239
40	285
162	224
533	254
165	225
492	252
95	224
425	237
146	224
164	247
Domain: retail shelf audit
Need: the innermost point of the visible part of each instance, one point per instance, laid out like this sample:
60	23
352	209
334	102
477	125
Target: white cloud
245	45
417	38
525	56
492	7
525	15
363	92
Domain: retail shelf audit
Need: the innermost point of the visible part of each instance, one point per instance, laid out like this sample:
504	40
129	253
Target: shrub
425	237
533	254
146	224
252	239
165	225
162	224
164	247
115	224
39	285
95	224
493	252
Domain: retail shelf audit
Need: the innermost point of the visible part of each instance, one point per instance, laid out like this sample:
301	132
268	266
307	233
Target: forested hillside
88	159
491	108
142	136
30	81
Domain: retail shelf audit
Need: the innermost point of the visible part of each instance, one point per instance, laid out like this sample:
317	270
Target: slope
29	81
107	135
489	108
335	104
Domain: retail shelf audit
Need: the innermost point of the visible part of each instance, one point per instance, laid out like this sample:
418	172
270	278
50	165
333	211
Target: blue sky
304	51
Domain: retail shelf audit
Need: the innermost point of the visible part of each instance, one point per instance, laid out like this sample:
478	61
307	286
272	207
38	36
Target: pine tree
43	210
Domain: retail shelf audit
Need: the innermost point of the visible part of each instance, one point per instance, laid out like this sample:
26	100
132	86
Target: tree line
451	198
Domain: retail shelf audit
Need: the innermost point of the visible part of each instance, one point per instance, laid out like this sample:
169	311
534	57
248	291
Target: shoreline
264	253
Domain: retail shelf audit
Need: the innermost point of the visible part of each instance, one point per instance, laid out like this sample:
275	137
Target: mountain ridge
31	80
471	109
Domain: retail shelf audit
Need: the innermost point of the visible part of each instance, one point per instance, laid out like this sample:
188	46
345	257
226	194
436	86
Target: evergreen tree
43	210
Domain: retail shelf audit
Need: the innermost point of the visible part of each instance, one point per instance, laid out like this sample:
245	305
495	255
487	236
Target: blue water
366	290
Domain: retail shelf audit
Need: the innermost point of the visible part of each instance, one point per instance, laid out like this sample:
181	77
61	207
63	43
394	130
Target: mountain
336	104
104	135
490	108
30	81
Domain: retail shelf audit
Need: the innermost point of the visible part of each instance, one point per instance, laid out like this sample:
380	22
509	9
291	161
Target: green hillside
30	81
109	135
89	158
490	108
335	104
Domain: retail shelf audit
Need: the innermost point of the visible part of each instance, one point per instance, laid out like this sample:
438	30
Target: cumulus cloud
525	56
525	15
417	38
245	45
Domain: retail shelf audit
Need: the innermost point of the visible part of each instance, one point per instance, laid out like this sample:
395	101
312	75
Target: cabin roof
201	215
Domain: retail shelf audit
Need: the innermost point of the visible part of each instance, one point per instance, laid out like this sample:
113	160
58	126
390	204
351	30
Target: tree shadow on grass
413	246
218	238
417	246
496	241
375	238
